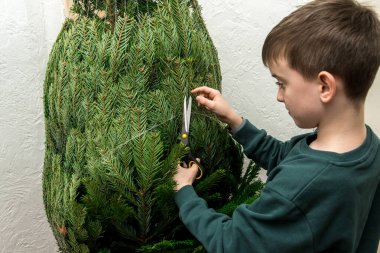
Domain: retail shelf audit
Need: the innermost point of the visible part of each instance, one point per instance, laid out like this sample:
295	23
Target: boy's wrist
181	185
235	122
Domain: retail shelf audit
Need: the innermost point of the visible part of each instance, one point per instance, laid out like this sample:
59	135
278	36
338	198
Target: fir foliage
113	98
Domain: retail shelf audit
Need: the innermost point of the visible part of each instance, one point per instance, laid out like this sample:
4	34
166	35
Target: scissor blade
185	115
189	113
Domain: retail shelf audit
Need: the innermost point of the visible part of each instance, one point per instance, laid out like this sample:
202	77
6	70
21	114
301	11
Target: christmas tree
113	97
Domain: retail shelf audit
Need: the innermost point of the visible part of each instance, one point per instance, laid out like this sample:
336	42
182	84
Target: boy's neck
341	131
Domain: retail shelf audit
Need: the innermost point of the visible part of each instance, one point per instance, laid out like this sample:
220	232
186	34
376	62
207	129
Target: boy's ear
327	86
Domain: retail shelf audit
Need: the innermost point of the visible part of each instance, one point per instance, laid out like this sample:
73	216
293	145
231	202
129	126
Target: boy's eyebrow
278	77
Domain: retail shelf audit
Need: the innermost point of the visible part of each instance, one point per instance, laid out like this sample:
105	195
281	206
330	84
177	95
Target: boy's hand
185	176
213	101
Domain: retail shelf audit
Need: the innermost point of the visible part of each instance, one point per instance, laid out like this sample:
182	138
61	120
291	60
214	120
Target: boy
322	193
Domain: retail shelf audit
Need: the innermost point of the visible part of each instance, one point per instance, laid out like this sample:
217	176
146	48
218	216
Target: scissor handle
190	161
199	169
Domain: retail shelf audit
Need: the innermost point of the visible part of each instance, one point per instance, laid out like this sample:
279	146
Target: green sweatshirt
313	201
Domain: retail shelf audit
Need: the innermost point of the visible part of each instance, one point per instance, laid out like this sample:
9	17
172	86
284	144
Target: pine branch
169	246
179	12
124	32
167	34
211	181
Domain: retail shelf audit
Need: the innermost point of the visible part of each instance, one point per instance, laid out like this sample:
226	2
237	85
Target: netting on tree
113	97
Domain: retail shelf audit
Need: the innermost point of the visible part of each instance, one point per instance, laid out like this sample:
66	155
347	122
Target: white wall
27	31
373	101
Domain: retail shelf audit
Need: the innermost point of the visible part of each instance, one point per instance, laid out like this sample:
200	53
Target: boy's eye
280	84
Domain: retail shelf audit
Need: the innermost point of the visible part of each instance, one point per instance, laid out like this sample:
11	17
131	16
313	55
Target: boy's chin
304	125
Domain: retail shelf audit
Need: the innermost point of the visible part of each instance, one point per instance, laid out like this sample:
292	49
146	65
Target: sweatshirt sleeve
271	224
262	148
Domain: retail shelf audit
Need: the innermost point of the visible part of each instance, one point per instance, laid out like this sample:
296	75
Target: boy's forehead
278	64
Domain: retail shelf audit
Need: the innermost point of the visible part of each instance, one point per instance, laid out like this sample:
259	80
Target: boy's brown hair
338	36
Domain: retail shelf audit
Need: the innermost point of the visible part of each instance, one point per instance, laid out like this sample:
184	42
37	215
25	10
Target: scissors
189	160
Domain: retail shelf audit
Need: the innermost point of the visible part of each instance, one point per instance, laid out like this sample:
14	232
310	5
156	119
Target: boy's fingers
205	102
200	89
194	166
205	91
